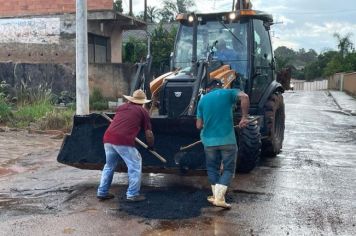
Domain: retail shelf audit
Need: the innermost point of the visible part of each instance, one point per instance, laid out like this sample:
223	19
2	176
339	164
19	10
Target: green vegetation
135	50
168	12
28	113
162	43
26	107
118	6
162	46
97	100
5	110
309	65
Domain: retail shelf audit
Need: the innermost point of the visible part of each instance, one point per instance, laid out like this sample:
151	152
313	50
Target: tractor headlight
232	16
190	18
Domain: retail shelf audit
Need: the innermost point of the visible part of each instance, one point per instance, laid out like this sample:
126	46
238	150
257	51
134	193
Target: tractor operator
223	53
119	140
215	120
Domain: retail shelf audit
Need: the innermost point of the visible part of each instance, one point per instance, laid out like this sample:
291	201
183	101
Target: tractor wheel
249	148
274	117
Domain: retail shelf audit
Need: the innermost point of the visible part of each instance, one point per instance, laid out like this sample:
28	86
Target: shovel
182	151
140	142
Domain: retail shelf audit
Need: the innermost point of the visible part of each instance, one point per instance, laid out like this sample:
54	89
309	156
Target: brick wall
10	8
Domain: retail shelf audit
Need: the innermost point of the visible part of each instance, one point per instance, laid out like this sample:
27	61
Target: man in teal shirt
215	119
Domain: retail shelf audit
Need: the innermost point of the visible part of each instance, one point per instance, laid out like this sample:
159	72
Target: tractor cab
221	40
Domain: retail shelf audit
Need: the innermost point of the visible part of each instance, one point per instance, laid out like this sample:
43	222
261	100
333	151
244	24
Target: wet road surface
309	189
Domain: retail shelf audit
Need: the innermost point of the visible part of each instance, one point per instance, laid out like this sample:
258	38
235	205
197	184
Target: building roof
125	22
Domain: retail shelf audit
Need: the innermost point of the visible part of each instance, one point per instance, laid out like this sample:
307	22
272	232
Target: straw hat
138	97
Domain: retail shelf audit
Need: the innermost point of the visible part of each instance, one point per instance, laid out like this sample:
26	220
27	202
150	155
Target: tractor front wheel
274	117
249	148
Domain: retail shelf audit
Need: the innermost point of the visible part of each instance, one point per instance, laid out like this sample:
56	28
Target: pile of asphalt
174	202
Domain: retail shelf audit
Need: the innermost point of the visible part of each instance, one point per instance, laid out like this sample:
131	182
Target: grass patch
26	114
5	111
58	119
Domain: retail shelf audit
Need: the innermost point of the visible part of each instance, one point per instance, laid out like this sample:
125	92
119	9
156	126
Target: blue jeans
133	161
215	155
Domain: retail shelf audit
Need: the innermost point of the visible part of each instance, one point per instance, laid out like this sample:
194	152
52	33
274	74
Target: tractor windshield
227	42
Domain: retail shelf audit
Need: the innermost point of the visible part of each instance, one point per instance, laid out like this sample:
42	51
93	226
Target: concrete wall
56	77
335	81
51	39
343	82
11	8
44	39
310	86
298	84
112	79
316	85
350	83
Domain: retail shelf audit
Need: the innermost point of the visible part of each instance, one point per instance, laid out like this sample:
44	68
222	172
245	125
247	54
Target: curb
345	111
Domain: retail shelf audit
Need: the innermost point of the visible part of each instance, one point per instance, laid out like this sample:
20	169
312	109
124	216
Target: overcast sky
301	23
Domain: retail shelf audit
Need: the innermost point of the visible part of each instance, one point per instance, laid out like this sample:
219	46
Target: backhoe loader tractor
233	47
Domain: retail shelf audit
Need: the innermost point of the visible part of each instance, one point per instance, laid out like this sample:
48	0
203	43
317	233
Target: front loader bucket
84	148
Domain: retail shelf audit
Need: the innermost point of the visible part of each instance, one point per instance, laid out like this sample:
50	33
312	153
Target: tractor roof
226	16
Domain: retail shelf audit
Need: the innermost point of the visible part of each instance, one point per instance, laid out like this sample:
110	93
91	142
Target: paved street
309	189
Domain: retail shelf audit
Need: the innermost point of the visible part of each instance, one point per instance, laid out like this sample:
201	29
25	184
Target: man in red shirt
119	140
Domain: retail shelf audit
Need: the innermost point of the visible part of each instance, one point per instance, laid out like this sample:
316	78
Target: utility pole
233	5
82	84
130	13
145	12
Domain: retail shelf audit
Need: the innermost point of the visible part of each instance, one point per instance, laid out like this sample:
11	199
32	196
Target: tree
307	56
313	71
284	52
152	14
135	50
172	7
344	45
162	46
344	59
118	6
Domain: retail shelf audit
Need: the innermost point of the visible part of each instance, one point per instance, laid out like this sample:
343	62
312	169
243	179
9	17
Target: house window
97	49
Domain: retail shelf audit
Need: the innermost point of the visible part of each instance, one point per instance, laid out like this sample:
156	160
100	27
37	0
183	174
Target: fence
343	82
310	86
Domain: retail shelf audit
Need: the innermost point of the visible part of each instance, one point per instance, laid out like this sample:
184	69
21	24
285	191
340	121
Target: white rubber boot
211	199
220	191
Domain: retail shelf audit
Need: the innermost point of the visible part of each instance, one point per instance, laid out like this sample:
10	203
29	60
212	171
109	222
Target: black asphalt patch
175	202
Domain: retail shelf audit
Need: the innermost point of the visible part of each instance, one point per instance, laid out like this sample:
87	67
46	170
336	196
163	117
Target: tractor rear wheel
249	148
274	117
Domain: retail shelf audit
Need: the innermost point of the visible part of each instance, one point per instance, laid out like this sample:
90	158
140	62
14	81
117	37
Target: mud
309	189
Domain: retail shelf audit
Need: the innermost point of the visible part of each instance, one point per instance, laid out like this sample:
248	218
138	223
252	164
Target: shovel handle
197	142
190	145
151	151
140	142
